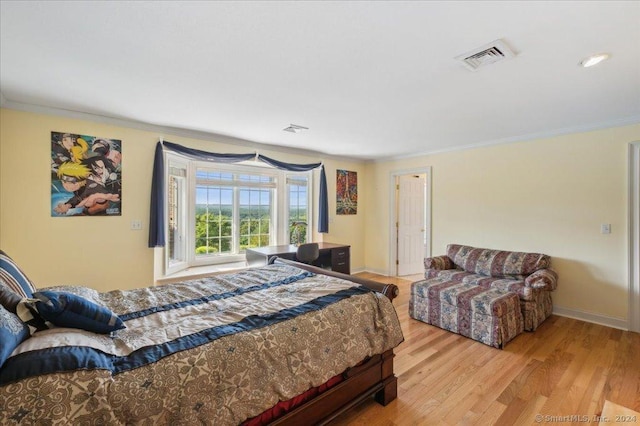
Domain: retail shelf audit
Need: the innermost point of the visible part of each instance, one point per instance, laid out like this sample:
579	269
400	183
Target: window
233	210
216	211
176	257
298	215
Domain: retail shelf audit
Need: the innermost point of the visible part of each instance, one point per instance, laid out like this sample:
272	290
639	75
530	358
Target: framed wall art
346	192
86	175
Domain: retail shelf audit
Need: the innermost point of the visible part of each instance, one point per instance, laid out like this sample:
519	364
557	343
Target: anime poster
346	192
86	175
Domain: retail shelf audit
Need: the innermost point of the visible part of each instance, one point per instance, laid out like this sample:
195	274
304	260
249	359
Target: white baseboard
605	320
373	271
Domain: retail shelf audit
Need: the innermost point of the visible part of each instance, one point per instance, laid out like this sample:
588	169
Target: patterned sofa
487	295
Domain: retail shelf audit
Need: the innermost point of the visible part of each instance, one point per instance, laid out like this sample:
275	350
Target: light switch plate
605	228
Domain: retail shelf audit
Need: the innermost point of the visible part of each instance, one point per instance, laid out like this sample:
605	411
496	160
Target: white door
411	224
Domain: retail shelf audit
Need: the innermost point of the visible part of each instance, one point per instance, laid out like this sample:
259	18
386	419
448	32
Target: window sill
203	271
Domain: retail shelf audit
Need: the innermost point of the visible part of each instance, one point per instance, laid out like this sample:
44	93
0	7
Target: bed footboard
374	377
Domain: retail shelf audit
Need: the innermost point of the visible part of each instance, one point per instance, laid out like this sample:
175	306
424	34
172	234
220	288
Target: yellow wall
548	195
103	252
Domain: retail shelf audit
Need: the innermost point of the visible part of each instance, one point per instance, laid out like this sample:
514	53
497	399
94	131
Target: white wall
548	195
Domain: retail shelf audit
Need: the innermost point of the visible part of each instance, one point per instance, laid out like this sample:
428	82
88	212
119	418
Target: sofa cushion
452	274
515	285
497	263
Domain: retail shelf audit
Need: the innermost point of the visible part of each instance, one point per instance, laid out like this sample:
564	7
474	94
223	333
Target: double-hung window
216	211
298	212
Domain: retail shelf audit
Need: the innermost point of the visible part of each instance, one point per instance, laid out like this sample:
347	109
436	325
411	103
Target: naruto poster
86	175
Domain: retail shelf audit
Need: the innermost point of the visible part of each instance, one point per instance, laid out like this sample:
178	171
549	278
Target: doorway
410	227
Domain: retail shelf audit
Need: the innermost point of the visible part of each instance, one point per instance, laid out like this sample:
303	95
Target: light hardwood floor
565	368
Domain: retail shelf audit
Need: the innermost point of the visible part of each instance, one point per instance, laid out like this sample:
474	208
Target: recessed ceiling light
593	60
294	128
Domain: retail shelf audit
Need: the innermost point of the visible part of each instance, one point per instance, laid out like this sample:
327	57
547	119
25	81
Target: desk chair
308	253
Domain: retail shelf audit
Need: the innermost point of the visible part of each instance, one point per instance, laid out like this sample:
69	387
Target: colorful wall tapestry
346	192
86	175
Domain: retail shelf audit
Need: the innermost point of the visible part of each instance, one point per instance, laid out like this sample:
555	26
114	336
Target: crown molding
195	134
628	121
167	130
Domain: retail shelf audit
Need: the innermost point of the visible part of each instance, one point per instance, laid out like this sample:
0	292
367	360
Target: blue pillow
69	310
12	333
8	298
12	277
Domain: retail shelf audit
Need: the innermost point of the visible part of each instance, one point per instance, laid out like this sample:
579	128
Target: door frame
393	214
634	237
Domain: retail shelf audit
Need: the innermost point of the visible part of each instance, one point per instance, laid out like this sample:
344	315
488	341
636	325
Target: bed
286	343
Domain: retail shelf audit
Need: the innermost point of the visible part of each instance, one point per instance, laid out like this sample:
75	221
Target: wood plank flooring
565	368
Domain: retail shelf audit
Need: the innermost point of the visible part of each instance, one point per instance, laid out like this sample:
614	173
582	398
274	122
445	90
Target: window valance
156	216
197	154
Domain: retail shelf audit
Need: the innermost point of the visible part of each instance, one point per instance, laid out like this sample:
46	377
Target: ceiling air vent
488	54
294	128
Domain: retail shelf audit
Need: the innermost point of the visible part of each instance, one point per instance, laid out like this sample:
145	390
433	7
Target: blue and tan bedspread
216	350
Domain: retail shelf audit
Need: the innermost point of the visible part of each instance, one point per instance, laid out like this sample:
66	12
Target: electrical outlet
136	225
605	228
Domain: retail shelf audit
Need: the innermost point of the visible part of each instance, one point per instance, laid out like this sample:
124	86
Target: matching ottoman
489	315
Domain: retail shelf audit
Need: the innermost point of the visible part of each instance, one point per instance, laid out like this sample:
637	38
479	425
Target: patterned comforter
216	350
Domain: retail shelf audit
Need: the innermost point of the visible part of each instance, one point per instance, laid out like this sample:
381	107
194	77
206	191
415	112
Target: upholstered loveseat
487	295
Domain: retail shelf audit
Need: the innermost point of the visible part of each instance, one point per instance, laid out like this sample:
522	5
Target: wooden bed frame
372	377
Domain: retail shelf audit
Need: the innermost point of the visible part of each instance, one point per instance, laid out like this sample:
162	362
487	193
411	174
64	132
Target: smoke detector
493	52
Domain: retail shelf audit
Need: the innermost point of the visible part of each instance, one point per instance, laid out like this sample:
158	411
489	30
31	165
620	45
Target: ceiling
371	80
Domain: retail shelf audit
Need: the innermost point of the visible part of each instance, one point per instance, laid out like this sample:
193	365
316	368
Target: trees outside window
217	211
